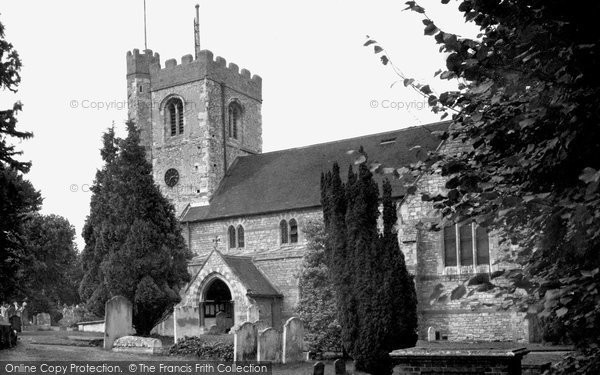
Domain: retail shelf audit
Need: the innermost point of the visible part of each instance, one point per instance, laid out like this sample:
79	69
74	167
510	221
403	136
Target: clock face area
171	177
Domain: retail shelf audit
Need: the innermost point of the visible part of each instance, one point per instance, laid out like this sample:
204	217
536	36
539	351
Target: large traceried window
174	116
235	119
467	243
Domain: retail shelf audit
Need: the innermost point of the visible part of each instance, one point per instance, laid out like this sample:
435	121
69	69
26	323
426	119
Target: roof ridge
423	126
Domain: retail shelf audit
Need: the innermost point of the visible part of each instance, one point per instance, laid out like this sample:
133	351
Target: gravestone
117	320
340	366
269	345
319	368
253	313
244	343
43	319
25	316
430	334
15	322
261	325
224	323
293	341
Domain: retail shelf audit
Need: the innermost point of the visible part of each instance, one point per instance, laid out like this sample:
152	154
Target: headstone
244	343
43	319
15	322
319	368
430	334
253	313
340	366
261	325
117	320
269	345
224	323
186	321
293	341
25	316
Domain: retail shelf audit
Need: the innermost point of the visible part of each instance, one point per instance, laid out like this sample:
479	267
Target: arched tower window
283	226
235	119
174	115
240	236
231	235
293	231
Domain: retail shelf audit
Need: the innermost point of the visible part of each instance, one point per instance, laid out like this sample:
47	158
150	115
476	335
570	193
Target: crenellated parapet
204	67
139	63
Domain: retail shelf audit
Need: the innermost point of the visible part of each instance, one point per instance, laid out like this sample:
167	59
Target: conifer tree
134	245
376	298
18	198
317	305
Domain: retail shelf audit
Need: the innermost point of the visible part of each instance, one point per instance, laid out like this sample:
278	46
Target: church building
243	211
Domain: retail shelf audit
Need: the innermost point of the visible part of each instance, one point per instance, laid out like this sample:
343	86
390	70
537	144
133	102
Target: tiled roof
255	282
290	179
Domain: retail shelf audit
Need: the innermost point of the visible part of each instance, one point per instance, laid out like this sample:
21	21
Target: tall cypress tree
400	292
133	239
376	298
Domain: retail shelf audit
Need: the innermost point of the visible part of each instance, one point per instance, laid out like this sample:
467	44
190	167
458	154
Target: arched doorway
216	308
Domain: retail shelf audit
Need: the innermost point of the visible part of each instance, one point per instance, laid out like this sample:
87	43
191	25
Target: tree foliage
376	298
527	103
51	275
18	198
317	307
133	241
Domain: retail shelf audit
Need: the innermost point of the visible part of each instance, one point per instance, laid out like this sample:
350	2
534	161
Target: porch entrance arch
216	297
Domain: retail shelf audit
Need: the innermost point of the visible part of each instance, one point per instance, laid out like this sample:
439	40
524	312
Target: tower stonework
138	93
201	146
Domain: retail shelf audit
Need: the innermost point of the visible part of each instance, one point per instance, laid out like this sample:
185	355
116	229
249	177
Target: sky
319	82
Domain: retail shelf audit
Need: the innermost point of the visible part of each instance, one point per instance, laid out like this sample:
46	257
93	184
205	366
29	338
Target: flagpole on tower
197	31
145	35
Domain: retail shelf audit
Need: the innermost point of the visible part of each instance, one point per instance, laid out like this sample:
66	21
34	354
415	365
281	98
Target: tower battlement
139	63
204	67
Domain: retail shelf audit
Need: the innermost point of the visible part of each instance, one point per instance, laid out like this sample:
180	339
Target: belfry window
467	243
174	116
235	119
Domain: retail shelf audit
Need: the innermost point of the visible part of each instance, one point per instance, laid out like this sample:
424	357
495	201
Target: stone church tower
195	118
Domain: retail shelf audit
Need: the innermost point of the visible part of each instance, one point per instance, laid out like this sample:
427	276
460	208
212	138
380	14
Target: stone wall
261	233
281	263
476	316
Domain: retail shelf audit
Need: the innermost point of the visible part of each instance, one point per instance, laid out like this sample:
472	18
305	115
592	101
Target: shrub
205	350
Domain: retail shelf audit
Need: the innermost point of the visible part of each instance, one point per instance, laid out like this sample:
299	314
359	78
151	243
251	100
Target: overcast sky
319	82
